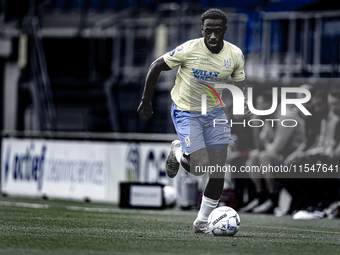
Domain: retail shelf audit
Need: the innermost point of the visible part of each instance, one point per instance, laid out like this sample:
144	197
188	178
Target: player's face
213	32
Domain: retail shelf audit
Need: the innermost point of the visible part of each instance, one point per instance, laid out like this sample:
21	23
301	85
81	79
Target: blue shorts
197	131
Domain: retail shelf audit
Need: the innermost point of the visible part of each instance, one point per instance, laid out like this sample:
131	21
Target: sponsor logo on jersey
205	75
207	59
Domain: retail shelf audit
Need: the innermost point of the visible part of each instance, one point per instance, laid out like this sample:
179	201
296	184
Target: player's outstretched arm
145	107
243	86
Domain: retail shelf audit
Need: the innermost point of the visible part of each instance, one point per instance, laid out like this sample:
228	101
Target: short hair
214	14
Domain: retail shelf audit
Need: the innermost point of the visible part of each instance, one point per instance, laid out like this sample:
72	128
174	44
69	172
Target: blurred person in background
238	155
333	185
312	125
318	107
261	136
335	108
329	187
316	194
333	194
205	59
276	143
326	140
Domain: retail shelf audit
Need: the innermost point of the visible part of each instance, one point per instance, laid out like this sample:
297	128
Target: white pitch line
28	205
95	209
114	210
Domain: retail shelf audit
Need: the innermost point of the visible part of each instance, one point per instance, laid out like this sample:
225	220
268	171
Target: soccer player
201	144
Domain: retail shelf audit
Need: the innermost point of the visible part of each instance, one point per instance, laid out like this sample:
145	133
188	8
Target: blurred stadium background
72	74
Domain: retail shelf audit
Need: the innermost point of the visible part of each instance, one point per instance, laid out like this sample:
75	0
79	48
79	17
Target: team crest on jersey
227	65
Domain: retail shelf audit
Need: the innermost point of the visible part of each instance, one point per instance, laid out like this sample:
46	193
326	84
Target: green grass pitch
32	226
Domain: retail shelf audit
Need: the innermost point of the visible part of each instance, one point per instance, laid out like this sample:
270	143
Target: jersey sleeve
176	57
238	74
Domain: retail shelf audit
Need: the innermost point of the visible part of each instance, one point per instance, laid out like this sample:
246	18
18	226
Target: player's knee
199	160
218	176
216	181
185	162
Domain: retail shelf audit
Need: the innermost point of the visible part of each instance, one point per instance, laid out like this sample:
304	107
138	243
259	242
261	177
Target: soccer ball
224	221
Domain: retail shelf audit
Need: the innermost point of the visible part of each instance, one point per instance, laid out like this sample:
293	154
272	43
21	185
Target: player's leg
181	122
200	158
217	138
174	159
196	162
181	150
213	189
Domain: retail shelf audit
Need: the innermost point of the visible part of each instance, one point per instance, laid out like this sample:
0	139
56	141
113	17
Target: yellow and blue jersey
198	64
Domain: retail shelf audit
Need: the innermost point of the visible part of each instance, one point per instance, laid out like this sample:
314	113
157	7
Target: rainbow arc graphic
209	93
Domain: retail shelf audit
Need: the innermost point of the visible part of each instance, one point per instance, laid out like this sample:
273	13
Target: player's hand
145	109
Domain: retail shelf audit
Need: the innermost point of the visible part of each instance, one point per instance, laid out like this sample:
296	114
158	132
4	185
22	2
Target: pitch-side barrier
81	166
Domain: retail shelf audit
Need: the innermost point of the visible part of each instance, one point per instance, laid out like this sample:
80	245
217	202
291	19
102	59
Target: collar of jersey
208	51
